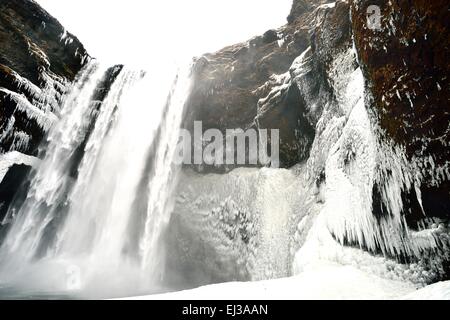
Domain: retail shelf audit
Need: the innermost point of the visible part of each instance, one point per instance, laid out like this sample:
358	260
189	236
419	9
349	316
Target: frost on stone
21	141
279	84
35	106
43	119
349	157
45	98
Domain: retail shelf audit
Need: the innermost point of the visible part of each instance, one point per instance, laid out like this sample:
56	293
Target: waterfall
99	201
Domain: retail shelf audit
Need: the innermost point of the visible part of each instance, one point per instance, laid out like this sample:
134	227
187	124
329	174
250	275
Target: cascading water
85	219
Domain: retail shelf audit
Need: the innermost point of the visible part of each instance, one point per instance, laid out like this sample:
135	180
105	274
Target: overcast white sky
134	30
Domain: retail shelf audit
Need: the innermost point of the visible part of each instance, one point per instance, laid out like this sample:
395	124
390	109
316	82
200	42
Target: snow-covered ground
436	291
327	281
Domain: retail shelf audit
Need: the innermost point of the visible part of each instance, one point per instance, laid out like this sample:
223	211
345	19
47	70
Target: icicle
43	120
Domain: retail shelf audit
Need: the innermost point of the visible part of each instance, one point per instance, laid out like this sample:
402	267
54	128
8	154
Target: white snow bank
437	291
325	281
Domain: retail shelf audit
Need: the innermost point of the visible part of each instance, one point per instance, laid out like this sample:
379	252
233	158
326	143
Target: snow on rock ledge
38	59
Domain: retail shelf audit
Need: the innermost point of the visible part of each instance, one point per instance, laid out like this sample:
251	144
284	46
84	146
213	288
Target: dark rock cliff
253	84
38	58
407	69
231	84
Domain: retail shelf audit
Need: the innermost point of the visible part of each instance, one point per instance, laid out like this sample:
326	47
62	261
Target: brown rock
407	70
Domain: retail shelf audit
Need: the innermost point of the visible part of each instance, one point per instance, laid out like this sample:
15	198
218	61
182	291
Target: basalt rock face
249	85
299	8
38	59
279	80
406	66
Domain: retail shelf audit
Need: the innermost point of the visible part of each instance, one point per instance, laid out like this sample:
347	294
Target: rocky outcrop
406	66
249	85
38	58
279	80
